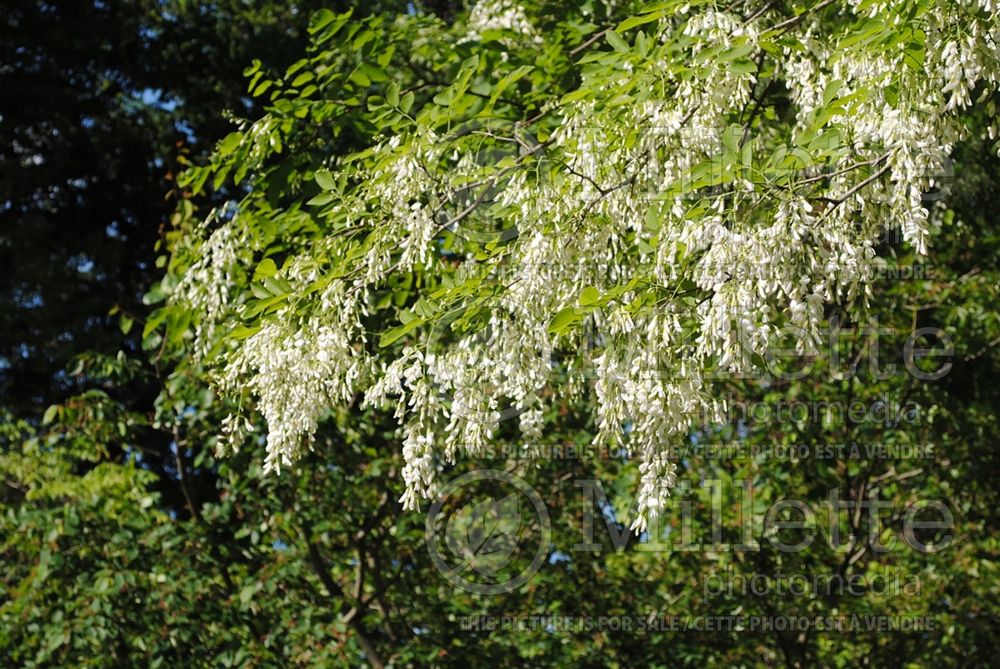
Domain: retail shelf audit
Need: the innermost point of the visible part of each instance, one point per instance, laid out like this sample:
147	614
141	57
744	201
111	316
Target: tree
211	561
669	194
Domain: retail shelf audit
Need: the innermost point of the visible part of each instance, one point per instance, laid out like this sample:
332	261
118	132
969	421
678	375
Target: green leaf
634	21
229	144
243	332
564	320
731	138
321	199
406	103
616	41
320	20
277	286
743	66
254	67
154	296
914	56
507	80
265	268
262	88
590	295
303	78
831	90
325	179
373	72
360	78
393	334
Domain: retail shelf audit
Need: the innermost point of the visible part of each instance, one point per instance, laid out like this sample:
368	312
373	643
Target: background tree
103	104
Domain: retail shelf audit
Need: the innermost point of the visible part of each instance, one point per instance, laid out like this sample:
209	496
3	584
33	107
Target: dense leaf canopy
543	208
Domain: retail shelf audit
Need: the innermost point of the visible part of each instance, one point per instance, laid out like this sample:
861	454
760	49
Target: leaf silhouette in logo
485	535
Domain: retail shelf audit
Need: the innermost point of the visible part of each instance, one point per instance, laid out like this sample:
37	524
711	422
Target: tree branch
319	567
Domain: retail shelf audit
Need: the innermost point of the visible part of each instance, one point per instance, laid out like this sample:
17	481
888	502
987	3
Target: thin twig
851	193
787	24
593	38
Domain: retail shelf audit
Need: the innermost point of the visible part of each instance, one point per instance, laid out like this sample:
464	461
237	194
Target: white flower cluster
207	285
503	16
681	229
298	370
